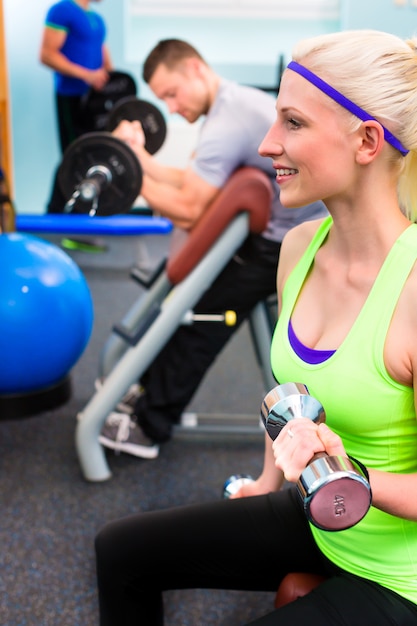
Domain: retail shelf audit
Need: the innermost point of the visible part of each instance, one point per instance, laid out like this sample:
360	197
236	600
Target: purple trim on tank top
308	355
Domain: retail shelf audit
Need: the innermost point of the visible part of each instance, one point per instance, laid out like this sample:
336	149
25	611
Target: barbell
102	174
151	118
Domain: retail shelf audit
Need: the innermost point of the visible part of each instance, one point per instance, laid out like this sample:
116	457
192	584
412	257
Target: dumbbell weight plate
153	122
335	493
94	149
97	104
285	402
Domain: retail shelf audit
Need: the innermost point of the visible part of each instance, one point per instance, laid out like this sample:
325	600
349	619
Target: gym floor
50	513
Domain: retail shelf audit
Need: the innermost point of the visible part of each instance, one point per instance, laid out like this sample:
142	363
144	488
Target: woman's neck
367	224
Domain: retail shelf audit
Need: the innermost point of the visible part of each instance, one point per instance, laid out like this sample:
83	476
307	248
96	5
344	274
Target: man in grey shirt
236	119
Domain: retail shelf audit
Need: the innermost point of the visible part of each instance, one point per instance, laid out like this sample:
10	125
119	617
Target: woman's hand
299	441
256	487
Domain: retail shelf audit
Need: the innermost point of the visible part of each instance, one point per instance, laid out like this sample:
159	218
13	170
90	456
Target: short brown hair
169	52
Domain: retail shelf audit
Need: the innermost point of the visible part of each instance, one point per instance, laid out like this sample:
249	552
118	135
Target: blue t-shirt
86	33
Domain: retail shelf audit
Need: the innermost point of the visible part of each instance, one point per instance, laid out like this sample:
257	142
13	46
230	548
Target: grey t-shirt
229	139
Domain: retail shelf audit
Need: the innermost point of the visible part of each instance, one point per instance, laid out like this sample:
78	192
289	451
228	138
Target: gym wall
239	48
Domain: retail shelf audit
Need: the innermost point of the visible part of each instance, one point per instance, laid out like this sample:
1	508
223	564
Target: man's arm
50	55
180	195
185	204
107	62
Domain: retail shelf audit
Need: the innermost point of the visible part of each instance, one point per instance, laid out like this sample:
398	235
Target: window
284	9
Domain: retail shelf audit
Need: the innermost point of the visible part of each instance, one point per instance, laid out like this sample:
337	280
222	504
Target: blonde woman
345	132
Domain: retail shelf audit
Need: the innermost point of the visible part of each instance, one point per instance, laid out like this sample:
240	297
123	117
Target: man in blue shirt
73	46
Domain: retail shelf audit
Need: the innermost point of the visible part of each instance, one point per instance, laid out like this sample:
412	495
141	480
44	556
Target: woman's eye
292	122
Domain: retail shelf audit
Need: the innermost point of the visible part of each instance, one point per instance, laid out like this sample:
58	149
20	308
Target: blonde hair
378	72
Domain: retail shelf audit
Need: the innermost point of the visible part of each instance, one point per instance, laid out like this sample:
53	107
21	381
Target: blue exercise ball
46	314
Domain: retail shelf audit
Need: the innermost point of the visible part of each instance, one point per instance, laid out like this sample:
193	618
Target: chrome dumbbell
234	483
334	489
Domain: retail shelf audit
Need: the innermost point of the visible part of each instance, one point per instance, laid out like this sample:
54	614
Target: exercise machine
243	206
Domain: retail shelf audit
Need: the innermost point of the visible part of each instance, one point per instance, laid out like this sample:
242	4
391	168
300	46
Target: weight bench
79	224
296	585
242	206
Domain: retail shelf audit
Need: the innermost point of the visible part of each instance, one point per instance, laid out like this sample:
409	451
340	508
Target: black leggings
244	544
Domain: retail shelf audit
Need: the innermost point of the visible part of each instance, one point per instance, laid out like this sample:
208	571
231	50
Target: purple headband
345	102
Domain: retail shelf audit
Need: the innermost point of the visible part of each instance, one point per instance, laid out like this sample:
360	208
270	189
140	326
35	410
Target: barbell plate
151	118
97	104
94	149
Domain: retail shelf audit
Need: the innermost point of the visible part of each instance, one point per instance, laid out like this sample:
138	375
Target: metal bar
136	359
74	224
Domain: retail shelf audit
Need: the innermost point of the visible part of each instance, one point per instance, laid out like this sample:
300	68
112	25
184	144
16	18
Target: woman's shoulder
294	244
298	238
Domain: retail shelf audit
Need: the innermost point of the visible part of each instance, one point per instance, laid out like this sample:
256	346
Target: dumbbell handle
90	188
334	490
96	178
228	317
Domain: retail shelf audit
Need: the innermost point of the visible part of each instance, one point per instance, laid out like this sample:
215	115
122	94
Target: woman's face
310	145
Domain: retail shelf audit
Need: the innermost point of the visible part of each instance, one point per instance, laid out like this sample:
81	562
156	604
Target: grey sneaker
122	434
128	402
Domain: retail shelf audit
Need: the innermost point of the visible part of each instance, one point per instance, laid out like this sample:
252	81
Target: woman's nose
270	144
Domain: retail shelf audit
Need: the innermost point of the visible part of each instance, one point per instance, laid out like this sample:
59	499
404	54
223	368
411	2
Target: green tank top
372	413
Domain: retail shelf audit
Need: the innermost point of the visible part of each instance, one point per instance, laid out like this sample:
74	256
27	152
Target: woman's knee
119	541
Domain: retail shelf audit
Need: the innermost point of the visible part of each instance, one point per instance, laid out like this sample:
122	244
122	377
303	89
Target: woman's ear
371	136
